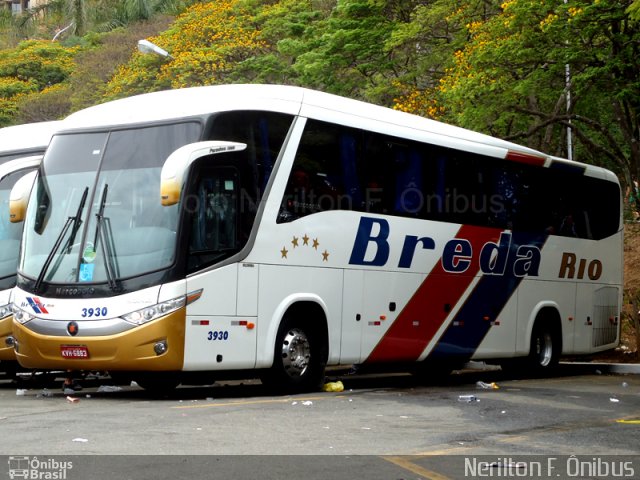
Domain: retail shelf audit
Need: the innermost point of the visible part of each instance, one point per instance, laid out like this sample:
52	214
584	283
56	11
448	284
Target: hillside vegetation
529	72
498	67
631	314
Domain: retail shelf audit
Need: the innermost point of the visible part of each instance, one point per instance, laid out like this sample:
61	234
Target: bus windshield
94	214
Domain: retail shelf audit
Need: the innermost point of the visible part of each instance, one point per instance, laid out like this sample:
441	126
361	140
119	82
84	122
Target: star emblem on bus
298	242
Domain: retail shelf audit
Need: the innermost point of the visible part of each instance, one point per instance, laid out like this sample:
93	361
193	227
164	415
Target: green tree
510	79
346	53
280	23
425	44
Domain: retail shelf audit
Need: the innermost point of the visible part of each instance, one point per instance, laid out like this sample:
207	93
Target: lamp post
567	82
60	32
145	46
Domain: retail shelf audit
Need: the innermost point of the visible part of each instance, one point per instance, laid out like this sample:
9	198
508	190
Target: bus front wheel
297	365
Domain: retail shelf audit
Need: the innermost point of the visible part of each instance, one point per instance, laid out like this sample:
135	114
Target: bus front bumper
133	350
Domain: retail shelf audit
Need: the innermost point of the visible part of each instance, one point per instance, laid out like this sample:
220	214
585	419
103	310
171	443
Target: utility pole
567	83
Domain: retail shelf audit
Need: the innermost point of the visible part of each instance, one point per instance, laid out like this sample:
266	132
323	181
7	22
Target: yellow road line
251	402
514	439
417	469
445	451
629	422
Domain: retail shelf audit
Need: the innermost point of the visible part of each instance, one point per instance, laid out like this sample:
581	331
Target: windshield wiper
104	234
75	222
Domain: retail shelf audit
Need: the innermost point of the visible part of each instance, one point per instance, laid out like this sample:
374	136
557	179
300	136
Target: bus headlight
20	315
147	314
5	311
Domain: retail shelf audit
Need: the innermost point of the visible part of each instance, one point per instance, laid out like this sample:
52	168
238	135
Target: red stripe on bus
40	305
527	158
430	305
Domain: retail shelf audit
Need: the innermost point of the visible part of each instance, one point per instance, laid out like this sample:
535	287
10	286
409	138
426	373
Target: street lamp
145	46
60	32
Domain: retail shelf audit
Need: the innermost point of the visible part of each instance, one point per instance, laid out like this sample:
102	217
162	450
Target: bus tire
298	362
545	348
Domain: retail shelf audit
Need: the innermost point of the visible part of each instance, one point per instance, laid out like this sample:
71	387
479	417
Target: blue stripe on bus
33	305
489	297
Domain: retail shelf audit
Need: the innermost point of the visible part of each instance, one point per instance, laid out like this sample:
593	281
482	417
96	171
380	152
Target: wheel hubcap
544	349
296	353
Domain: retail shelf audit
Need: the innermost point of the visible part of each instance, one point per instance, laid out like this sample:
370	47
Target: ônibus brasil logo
34	468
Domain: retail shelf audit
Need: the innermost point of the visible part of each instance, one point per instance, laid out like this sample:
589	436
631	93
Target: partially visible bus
271	231
27	142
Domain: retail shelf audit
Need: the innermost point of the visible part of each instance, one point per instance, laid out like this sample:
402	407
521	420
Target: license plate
74	351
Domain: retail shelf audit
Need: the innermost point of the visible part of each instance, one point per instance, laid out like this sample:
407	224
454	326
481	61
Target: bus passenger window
264	133
409	197
325	173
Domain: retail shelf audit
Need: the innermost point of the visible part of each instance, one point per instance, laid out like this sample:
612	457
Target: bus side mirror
175	168
19	197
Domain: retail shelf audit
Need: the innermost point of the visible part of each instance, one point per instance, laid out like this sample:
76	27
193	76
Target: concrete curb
620	368
587	367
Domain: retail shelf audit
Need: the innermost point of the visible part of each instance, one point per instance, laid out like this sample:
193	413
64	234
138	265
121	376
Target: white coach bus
21	149
272	231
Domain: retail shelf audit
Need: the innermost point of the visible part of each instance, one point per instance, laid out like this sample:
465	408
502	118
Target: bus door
352	316
216	337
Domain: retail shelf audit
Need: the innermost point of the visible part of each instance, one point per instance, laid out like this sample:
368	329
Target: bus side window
264	133
349	182
325	173
409	198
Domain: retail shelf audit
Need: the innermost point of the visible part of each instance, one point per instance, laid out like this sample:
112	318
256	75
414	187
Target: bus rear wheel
544	352
297	363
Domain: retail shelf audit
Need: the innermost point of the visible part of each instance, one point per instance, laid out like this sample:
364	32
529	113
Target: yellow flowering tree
423	102
28	69
206	42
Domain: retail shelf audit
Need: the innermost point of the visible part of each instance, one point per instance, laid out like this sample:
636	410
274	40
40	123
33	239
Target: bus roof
27	137
195	101
188	102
